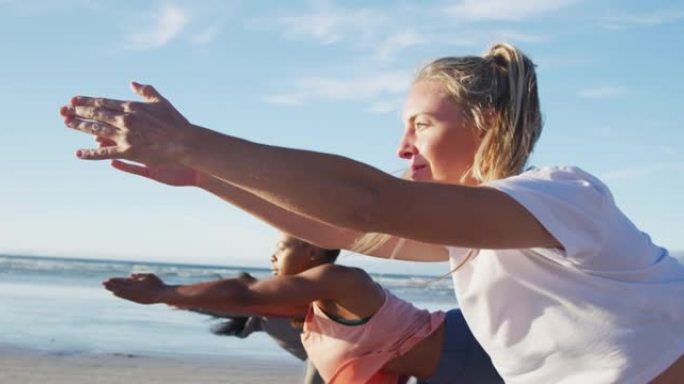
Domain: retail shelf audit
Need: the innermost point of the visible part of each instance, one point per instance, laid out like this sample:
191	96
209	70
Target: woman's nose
406	148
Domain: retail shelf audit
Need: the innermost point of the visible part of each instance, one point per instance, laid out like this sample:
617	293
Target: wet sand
33	367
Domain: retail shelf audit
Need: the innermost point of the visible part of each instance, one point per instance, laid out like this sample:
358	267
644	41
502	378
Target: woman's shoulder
557	172
339	272
554	178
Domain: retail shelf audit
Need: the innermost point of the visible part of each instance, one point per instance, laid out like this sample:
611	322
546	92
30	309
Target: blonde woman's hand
150	132
175	175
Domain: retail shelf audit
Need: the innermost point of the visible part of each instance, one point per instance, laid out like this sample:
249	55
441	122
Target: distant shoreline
186	264
133	262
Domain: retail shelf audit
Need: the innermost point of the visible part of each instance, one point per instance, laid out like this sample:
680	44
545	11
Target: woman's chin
421	177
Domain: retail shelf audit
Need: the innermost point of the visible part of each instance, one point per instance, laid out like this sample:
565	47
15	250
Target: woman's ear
314	254
318	255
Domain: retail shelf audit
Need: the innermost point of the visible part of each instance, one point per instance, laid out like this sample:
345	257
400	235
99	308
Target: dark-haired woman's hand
141	288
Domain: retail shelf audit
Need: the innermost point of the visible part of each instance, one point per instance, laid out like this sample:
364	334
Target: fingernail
79	153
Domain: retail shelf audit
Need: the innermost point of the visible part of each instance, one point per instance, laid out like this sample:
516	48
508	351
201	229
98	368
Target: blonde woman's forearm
313	231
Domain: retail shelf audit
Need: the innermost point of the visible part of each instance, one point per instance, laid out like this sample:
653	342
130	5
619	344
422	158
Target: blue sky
322	75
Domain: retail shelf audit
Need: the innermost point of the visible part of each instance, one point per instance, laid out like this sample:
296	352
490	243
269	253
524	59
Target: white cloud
370	88
519	37
603	131
504	10
206	36
384	33
41	7
291	99
384	106
659	17
400	41
325	23
165	24
668	150
644	171
562	61
601	92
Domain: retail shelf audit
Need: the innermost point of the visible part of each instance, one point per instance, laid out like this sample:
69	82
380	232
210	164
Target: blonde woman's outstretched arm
327	188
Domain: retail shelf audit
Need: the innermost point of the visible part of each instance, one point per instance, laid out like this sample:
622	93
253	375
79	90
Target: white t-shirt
607	308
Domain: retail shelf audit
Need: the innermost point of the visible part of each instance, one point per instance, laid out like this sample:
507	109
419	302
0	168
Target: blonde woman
554	281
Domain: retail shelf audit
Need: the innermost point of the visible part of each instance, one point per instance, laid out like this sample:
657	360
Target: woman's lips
416	170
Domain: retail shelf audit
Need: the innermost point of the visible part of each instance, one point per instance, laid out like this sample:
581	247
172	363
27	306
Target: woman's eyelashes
421	125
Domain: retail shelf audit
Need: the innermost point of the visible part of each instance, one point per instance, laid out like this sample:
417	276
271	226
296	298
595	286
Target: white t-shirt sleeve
570	203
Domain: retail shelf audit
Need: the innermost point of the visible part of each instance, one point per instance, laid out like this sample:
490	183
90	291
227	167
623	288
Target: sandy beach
32	367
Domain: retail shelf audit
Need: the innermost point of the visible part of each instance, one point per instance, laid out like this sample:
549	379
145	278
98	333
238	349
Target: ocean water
58	305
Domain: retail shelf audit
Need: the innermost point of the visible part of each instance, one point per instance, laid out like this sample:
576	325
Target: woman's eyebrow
423	114
410	119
